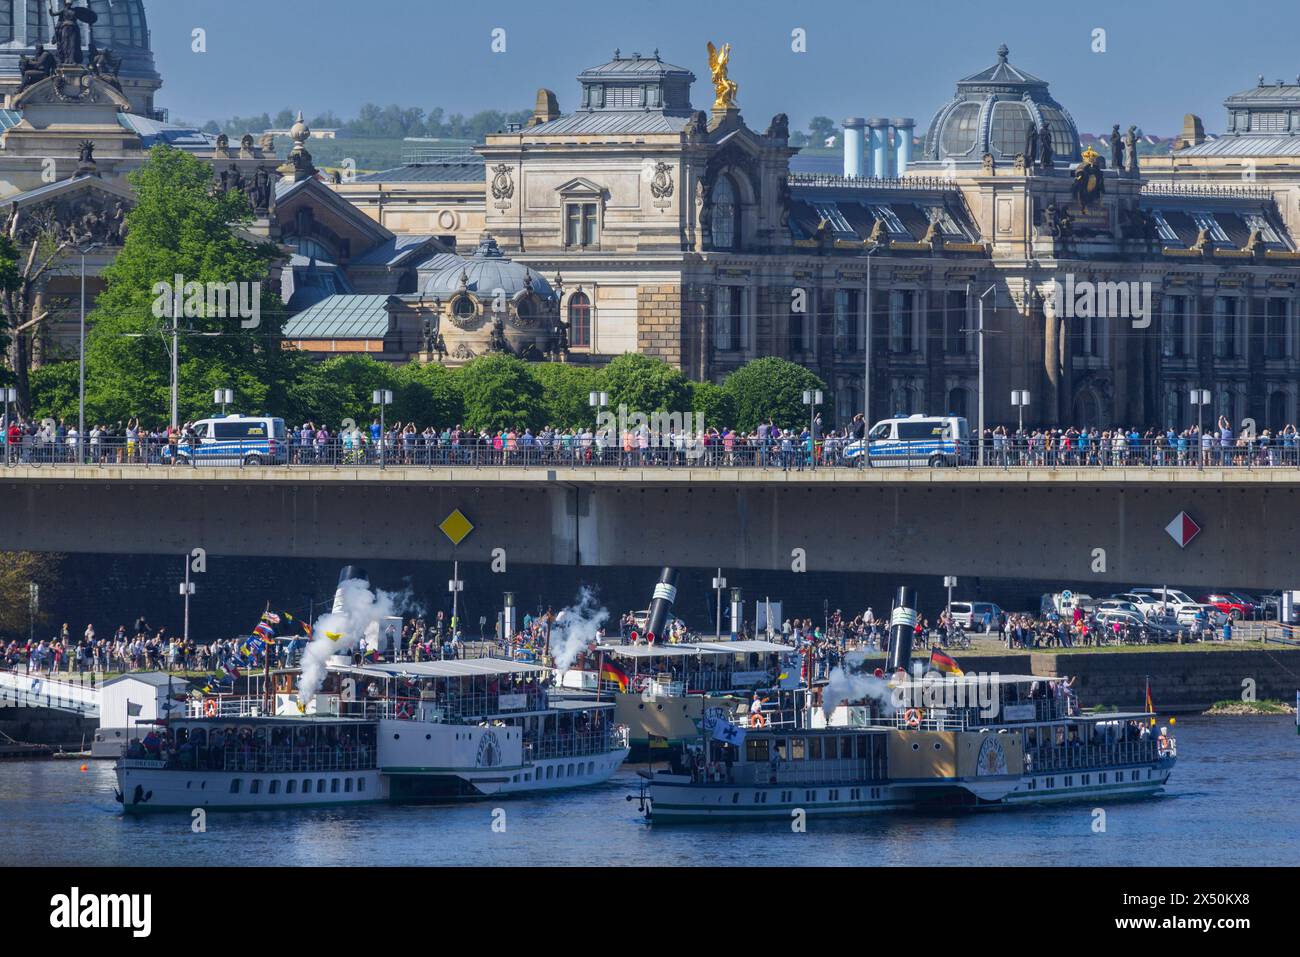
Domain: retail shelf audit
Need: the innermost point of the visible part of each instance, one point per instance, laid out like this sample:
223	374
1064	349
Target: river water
1231	801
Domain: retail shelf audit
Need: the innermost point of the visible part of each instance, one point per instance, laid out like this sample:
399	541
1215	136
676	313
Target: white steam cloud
574	629
358	614
847	683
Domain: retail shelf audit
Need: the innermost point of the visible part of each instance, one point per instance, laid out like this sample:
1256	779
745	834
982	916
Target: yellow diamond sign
456	526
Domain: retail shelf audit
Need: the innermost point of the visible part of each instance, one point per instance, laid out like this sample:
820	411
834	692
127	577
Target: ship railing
156	764
299	759
1087	756
795	772
452	707
227	706
576	745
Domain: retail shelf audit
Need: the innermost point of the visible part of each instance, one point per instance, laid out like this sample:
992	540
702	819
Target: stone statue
1031	146
246	146
1056	221
779	128
499	343
37	68
267	144
722	86
1116	149
67	30
86	155
1130	145
223	145
260	190
105	65
1045	154
697	125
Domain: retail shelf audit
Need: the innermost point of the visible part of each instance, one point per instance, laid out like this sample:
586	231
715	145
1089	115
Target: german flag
1150	707
612	672
945	665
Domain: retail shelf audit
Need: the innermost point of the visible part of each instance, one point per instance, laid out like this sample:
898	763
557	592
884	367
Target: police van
915	440
234	440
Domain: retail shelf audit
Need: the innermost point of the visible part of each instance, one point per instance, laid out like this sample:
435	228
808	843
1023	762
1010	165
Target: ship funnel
661	604
902	623
349	573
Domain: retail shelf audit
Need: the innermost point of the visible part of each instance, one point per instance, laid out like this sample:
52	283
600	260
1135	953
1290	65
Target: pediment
580	186
72	88
83	209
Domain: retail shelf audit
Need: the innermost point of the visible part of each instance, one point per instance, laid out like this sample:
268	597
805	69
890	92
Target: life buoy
405	712
912	717
210	707
1162	743
756	720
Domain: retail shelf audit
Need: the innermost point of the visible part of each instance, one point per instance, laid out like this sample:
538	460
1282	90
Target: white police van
234	440
915	440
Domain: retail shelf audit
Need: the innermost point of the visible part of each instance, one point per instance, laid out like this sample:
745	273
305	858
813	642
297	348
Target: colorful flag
271	617
944	664
333	635
612	672
1150	707
264	630
306	628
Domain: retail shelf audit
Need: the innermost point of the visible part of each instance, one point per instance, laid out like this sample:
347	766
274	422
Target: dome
990	113
485	272
120	26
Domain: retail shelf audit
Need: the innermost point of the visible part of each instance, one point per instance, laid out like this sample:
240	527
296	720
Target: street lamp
186	590
949	582
1200	398
719	583
223	398
980	329
866	372
81	360
812	398
737	614
598	401
10	396
382	398
1020	399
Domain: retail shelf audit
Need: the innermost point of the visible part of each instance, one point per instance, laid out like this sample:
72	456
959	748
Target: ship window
756	749
814	749
290	787
549	771
255	786
306	785
916	746
735	798
1069	780
1102	777
1087	779
797	751
234	785
361	784
334	786
320	786
274	786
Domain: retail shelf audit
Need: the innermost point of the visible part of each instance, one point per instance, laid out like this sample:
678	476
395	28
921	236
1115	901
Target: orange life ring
1163	743
912	717
210	707
756	720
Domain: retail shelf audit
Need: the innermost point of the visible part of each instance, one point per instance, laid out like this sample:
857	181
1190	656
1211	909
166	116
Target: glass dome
991	113
486	272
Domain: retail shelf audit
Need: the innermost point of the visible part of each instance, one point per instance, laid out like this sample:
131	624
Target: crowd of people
766	446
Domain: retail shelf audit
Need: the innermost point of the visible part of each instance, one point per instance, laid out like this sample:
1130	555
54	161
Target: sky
1161	58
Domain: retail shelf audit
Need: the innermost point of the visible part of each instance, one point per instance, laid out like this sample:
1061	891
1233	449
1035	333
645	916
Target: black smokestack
348	573
662	603
902	622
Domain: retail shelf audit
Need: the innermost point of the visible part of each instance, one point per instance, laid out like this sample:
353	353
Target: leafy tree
427	395
285	119
180	227
565	391
644	384
501	393
18	570
55	388
821	128
342	388
770	388
715	403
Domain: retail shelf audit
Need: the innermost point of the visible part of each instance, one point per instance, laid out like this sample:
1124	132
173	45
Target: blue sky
1163	58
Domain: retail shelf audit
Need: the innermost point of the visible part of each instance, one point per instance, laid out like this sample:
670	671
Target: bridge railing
20	689
1277	453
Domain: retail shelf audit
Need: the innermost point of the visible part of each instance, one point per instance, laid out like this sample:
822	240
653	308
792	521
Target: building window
6	20
1226	310
1173	327
847	337
725	213
1276	329
901	338
890	219
955	327
463	308
957	403
729	319
798	329
38	22
580	320
1277	418
1207	222
580	224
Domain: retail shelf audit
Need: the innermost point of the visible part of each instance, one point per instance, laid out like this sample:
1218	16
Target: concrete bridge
1051	524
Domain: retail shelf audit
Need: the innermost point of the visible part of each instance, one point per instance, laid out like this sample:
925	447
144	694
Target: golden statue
725	88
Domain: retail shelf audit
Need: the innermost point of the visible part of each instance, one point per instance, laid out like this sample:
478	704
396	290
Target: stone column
1051	363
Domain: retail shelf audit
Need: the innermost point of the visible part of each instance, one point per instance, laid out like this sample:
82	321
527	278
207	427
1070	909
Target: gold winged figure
723	87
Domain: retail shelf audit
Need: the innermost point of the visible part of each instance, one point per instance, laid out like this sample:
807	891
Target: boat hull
147	790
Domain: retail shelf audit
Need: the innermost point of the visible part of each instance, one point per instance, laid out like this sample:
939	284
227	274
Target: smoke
359	614
574	629
849	683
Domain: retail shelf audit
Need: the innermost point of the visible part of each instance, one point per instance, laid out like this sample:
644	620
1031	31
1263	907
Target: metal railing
1006	455
1084	757
835	181
32	690
576	745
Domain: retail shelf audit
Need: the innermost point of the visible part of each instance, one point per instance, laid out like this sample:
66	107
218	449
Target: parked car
1230	604
978	616
1185	609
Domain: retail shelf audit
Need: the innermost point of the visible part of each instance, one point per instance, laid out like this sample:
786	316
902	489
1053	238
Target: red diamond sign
1182	529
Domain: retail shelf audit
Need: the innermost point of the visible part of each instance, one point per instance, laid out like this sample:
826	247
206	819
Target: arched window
312	249
463	308
957	403
725	212
579	320
524	310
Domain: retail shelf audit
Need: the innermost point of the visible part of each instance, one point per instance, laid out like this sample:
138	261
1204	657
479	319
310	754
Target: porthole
915	746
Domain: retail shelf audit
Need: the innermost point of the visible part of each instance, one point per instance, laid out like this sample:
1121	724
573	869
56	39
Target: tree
31	247
821	128
500	393
18	570
565	392
55	390
644	384
427	394
714	403
181	227
770	388
342	388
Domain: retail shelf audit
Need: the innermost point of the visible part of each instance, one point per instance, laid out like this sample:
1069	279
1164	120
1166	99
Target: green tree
715	403
342	388
18	570
565	391
770	388
55	391
427	394
180	227
821	128
644	384
501	393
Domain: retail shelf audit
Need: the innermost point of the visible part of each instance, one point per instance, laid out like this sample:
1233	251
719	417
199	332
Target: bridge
1064	523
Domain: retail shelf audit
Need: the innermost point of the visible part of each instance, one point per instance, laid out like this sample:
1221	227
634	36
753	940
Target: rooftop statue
67	30
37	68
722	86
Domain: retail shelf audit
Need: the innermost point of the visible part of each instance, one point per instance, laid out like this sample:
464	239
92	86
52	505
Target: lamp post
1200	398
598	401
223	398
382	398
737	613
866	369
1020	399
81	361
507	619
10	396
719	583
455	586
812	398
980	329
186	590
949	582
